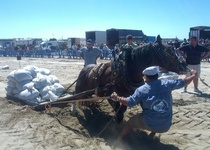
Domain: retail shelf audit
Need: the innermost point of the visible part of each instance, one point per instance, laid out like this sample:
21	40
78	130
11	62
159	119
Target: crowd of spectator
75	50
177	44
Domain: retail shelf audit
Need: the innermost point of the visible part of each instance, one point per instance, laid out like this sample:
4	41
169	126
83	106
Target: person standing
193	53
115	51
74	51
90	54
129	40
176	46
184	42
155	99
171	43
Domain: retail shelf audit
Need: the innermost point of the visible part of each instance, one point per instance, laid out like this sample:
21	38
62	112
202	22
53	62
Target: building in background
151	39
201	32
118	36
11	44
77	41
5	43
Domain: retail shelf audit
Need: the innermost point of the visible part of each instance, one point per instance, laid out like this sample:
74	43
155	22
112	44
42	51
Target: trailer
201	32
77	41
118	36
96	36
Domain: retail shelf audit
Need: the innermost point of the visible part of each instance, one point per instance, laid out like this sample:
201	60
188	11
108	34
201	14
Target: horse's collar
119	70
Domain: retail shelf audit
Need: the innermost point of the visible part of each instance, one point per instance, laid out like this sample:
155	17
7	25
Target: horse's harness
119	74
119	69
157	50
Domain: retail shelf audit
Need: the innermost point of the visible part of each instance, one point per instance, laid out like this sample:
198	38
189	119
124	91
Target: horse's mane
148	53
142	54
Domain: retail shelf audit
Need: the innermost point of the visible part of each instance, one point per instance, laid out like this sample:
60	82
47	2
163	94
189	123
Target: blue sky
71	18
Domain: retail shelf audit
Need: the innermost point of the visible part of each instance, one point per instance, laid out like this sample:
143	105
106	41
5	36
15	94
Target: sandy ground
24	128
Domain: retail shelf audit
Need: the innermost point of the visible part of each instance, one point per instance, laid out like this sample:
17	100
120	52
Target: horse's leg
119	110
84	83
78	88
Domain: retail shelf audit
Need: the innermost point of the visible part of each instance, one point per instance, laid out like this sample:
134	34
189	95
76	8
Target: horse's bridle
156	49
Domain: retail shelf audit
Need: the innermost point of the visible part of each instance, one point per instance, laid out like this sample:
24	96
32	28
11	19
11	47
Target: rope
75	81
109	121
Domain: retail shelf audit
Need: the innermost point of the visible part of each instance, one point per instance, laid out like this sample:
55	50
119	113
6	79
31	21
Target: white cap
150	71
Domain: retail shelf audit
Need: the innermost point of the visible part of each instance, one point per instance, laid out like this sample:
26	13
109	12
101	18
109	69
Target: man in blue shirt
90	54
155	99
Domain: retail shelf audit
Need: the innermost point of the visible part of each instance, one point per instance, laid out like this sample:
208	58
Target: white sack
32	70
28	94
21	85
44	91
44	71
53	97
15	91
46	96
57	89
21	75
9	89
11	83
11	77
53	79
36	99
40	81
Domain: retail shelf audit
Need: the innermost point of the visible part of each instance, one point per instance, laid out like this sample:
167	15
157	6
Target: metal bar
78	100
76	96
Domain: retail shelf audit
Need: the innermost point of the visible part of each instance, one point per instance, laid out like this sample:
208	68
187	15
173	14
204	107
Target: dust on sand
94	128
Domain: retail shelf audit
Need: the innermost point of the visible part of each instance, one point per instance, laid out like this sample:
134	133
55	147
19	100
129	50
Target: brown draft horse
124	74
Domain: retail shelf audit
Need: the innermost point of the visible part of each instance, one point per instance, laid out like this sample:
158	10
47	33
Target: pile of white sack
33	84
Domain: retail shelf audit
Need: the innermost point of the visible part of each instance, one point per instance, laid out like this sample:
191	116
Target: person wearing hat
155	99
90	54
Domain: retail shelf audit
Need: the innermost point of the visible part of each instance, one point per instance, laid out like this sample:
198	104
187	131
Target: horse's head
168	59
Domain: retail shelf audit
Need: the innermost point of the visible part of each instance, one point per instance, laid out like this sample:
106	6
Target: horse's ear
159	40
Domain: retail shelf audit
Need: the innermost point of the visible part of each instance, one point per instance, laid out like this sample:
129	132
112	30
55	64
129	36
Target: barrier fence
48	53
52	53
34	53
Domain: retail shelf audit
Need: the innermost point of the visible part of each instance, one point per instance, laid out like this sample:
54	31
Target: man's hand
193	75
114	96
193	72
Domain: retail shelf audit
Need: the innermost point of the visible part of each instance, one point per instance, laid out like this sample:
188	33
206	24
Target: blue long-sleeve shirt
155	99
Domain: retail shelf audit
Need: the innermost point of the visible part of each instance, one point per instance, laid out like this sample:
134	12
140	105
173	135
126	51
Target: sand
23	128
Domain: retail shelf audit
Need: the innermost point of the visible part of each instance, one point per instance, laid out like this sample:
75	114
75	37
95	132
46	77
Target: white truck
51	44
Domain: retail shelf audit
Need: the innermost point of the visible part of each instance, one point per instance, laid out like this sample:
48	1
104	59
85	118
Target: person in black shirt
193	53
184	42
176	46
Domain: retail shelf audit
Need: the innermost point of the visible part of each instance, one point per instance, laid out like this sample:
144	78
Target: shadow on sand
200	95
102	125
